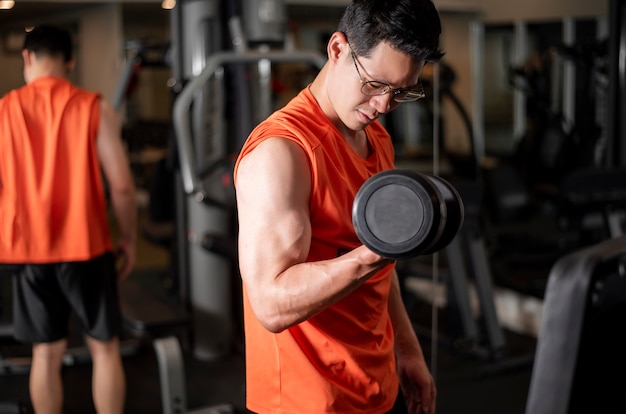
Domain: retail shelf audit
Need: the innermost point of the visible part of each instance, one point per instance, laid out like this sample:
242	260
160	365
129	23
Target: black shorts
46	294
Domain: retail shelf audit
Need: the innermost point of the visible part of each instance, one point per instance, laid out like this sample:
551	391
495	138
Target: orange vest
52	201
342	359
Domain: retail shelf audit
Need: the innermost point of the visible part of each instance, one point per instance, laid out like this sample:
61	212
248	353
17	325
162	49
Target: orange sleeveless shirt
52	201
341	360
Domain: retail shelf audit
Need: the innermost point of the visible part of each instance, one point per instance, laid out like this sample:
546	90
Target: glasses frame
384	88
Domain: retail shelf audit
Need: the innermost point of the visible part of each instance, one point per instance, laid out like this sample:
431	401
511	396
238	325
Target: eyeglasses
375	88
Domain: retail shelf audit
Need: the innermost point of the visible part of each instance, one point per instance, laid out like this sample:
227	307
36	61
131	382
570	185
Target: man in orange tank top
326	330
56	141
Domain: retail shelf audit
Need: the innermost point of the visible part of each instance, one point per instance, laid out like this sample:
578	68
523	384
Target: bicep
273	187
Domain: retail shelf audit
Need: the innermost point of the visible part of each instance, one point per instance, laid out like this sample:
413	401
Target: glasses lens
409	96
372	88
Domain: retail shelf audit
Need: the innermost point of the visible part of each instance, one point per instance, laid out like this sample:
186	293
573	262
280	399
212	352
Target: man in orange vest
326	330
56	141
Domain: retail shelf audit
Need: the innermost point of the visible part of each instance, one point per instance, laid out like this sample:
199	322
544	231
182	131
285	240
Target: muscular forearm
125	210
305	289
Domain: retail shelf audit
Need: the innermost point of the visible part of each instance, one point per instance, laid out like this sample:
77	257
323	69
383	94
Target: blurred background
523	115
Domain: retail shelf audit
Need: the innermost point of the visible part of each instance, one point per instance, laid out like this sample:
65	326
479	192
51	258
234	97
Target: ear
26	55
337	47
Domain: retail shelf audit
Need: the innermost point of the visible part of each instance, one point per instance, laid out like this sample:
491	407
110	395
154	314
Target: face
385	65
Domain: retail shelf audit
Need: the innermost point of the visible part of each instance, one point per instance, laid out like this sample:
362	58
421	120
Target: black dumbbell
402	213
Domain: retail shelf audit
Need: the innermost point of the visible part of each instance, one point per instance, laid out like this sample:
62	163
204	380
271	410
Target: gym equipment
616	121
402	213
469	246
203	136
595	192
411	124
205	252
580	359
209	296
146	316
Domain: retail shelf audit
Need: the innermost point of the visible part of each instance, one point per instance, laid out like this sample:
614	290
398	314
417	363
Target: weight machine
221	90
579	355
205	208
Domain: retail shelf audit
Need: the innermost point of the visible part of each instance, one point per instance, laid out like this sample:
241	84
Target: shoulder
12	98
95	96
12	93
301	120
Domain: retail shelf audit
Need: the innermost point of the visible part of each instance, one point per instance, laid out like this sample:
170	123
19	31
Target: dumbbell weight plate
398	213
454	216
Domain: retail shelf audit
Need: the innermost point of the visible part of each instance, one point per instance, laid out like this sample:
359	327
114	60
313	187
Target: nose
382	103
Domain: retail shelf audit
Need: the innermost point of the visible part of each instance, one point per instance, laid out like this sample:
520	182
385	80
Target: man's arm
273	186
416	381
116	167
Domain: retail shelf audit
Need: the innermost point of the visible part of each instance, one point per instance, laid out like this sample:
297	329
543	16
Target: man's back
51	191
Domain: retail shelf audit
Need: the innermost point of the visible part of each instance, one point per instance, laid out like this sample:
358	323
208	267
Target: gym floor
468	382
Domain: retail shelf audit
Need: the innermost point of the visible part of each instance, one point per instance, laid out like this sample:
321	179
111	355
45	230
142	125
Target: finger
426	400
433	401
122	265
413	407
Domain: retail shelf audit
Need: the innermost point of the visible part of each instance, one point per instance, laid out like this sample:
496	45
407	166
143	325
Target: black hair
410	26
49	41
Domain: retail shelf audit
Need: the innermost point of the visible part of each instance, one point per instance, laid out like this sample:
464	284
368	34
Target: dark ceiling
29	13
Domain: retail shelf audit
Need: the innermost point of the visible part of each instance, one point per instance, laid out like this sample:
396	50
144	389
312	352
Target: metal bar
181	121
458	277
477	33
484	288
171	374
519	97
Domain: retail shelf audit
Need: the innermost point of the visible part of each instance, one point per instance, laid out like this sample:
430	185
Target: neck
356	138
360	144
45	67
319	89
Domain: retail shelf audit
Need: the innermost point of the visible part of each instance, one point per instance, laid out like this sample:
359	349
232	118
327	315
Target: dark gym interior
519	314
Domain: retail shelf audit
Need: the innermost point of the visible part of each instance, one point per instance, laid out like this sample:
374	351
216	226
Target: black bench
580	359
